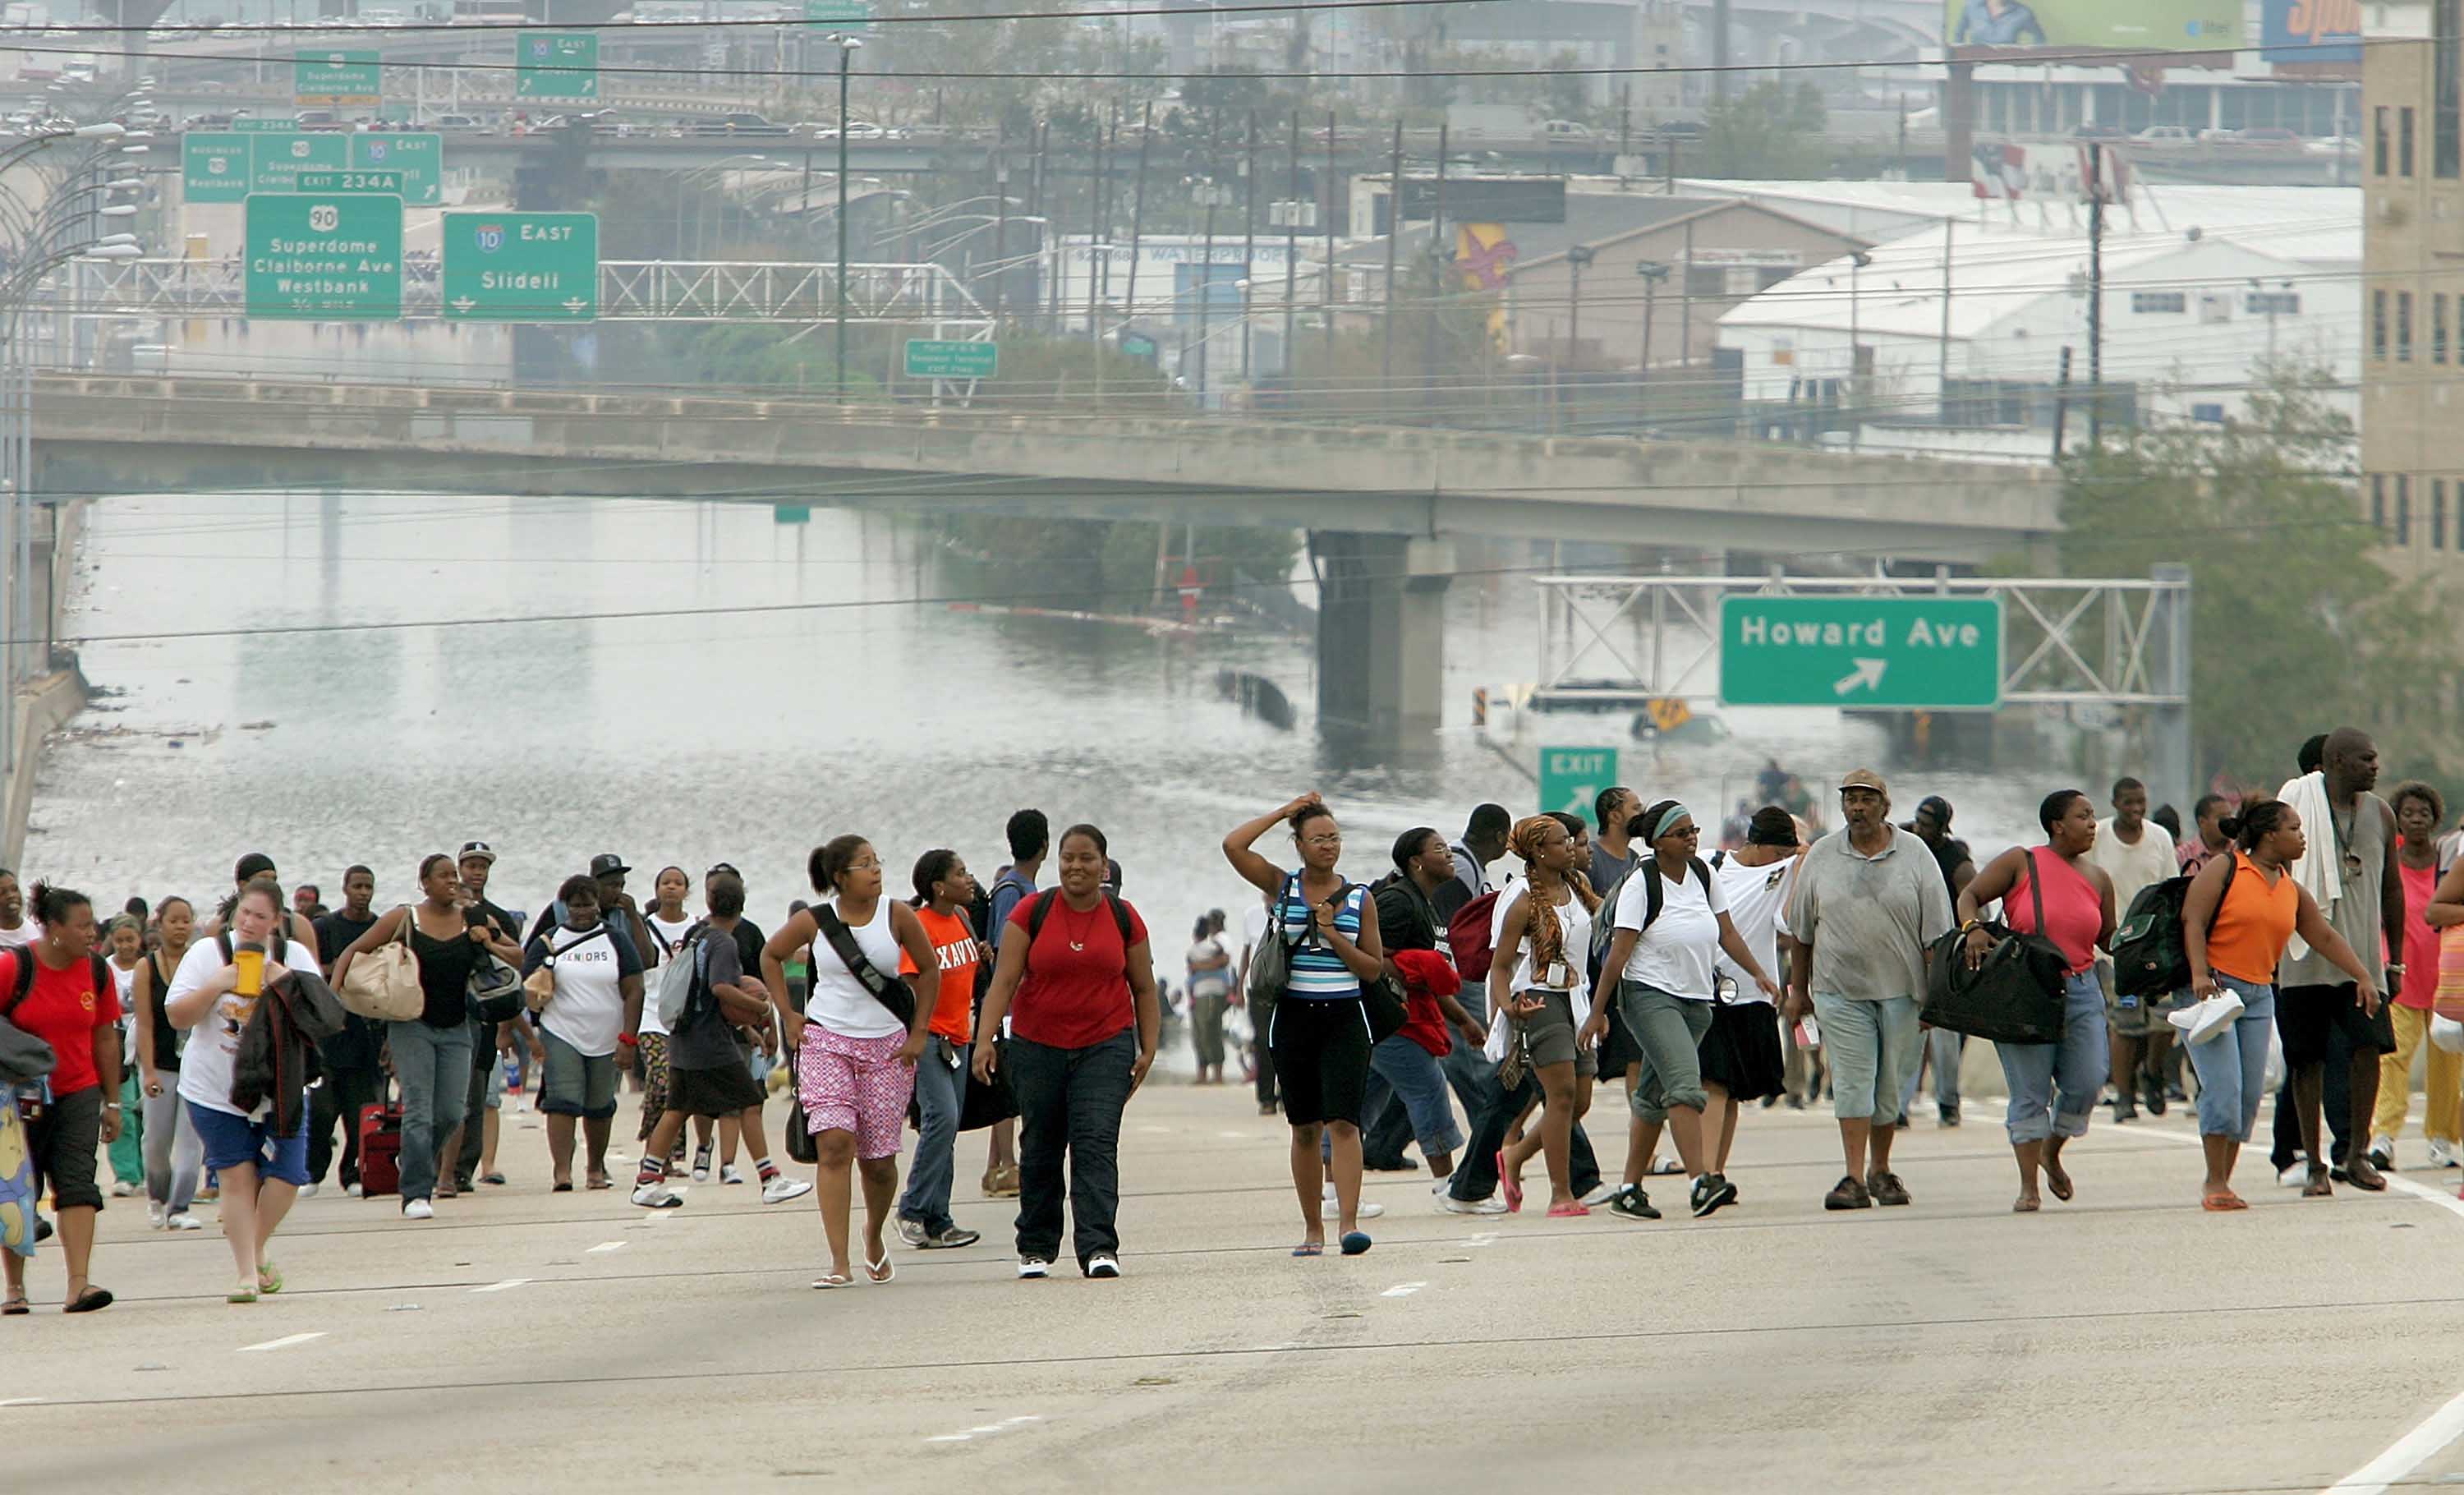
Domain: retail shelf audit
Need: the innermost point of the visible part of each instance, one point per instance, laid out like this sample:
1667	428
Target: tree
2296	626
1768	131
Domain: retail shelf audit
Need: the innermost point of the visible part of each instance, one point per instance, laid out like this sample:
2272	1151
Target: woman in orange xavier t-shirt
943	891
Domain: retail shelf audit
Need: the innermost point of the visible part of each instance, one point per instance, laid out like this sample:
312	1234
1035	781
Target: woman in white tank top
855	1062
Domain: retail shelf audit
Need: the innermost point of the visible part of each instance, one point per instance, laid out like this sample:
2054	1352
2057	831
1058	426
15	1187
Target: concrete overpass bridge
1382	504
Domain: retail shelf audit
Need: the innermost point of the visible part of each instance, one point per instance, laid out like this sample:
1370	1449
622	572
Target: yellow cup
251	962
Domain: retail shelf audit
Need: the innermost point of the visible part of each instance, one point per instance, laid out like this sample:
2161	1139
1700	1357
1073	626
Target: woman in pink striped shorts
855	1057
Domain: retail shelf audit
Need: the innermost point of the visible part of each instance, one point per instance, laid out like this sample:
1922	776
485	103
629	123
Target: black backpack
2149	956
1603	928
25	953
1042	910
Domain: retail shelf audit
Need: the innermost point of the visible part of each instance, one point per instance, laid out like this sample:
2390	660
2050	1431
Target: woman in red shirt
943	889
74	1005
1081	1039
2419	812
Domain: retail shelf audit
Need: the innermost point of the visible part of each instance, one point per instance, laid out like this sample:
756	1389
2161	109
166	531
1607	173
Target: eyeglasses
1322	841
871	863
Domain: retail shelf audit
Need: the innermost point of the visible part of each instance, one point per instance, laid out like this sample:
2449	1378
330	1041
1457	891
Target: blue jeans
434	1067
1405	1070
940	1091
2055	1087
1947	1048
2233	1067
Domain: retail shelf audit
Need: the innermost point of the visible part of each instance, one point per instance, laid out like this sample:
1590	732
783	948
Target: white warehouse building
1959	329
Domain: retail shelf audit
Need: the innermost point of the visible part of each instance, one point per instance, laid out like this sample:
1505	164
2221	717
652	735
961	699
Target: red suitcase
380	1149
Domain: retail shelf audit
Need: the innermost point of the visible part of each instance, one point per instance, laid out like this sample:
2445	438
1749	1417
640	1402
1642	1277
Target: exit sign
1572	777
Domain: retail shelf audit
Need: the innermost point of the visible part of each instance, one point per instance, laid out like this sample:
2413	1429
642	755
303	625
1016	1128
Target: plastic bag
2275	1062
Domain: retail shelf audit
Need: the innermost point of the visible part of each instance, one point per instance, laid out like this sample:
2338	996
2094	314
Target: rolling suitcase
380	1149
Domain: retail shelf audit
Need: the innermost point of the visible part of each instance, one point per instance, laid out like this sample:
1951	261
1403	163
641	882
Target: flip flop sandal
603	1181
90	1300
269	1278
2059	1186
830	1279
2219	1203
245	1292
2026	1206
883	1270
562	1188
2318	1188
1510	1185
499	1179
16	1307
1355	1243
1569	1211
1310	1248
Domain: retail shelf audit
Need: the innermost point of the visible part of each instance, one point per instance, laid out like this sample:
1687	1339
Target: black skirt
1740	1053
1619	1051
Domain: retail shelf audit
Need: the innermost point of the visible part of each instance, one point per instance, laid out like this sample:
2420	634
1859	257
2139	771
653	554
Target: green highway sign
213	168
555	65
791	513
419	156
846	15
521	267
1932	654
275	160
388	182
1572	777
942	358
325	256
336	77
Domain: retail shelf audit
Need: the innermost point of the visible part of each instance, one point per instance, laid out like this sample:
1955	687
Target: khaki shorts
1549	1034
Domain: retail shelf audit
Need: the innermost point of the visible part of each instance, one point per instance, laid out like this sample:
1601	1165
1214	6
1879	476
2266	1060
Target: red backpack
1468	939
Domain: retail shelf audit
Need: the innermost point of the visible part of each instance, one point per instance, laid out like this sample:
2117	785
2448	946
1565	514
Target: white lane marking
285	1342
1402	1290
609	1245
19	1402
2421	1191
500	1287
1485	1237
2405	1454
987	1430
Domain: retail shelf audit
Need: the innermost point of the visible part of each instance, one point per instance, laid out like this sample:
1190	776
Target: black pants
1476	1173
2335	1099
1260	1015
337	1101
475	1113
1069	1104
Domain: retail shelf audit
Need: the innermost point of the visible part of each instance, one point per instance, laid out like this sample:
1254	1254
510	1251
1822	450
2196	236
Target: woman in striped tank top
1319	1035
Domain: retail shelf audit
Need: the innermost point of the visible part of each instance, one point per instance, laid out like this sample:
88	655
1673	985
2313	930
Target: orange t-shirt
954	1016
2254	923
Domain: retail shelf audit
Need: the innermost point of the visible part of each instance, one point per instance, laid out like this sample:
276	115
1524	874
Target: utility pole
1001	224
846	46
2095	297
1098	252
1326	282
1440	281
1394	238
1942	373
1292	259
1138	214
1248	240
2061	402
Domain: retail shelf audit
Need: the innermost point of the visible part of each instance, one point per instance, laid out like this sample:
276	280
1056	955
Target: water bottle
513	1074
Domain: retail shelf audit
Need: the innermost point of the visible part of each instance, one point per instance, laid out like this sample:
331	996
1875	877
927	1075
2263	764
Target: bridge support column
1381	646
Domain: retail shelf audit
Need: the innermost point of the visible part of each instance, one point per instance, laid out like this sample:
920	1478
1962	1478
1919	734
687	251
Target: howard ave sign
1934	653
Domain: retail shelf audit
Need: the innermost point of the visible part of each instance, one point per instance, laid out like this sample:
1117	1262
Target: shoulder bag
891	992
1381	995
23	1057
1270	964
539	988
2015	996
383	983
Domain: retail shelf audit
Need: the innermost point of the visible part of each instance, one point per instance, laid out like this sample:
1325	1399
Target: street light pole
846	46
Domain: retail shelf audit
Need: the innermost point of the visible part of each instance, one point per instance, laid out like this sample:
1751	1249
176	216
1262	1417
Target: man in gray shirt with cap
1869	901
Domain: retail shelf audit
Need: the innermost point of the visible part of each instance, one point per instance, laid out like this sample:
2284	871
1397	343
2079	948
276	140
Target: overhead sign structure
846	15
556	65
213	168
275	160
521	267
2138	24
943	357
1930	653
418	155
336	78
1572	777
324	256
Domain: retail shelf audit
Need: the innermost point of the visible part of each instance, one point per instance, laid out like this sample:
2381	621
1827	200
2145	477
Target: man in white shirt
2136	853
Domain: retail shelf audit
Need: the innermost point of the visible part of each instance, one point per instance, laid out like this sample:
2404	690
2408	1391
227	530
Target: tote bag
2015	996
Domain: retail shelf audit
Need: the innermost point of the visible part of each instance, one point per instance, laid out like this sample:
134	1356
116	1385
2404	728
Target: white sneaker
2442	1153
1033	1267
729	1173
657	1196
153	1215
1103	1263
2295	1176
782	1189
122	1188
1327	1209
1600	1195
308	1191
183	1223
1492	1205
2383	1153
353	1189
419	1209
701	1175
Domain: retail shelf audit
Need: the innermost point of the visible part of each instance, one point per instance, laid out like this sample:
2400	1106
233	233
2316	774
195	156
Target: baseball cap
1865	778
1938	807
476	848
716	868
606	864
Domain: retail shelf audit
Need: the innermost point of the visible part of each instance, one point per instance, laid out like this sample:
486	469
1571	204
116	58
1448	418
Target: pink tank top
2074	910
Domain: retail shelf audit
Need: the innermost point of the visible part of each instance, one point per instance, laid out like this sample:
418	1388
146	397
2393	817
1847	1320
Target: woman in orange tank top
2241	912
2054	1087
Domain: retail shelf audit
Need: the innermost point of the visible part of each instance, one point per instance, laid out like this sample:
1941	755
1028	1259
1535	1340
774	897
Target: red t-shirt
2420	953
63	1010
1076	989
954	1016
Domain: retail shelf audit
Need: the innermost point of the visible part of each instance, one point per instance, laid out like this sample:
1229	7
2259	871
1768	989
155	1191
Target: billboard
2310	31
1487	199
2138	24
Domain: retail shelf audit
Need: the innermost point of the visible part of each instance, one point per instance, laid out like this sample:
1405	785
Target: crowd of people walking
241	1057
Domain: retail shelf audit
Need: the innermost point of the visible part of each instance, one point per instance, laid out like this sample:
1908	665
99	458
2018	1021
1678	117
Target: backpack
1604	928
680	979
1468	939
25	1052
2149	957
1043	911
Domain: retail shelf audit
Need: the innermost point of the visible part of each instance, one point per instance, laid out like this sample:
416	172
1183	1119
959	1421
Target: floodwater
368	678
